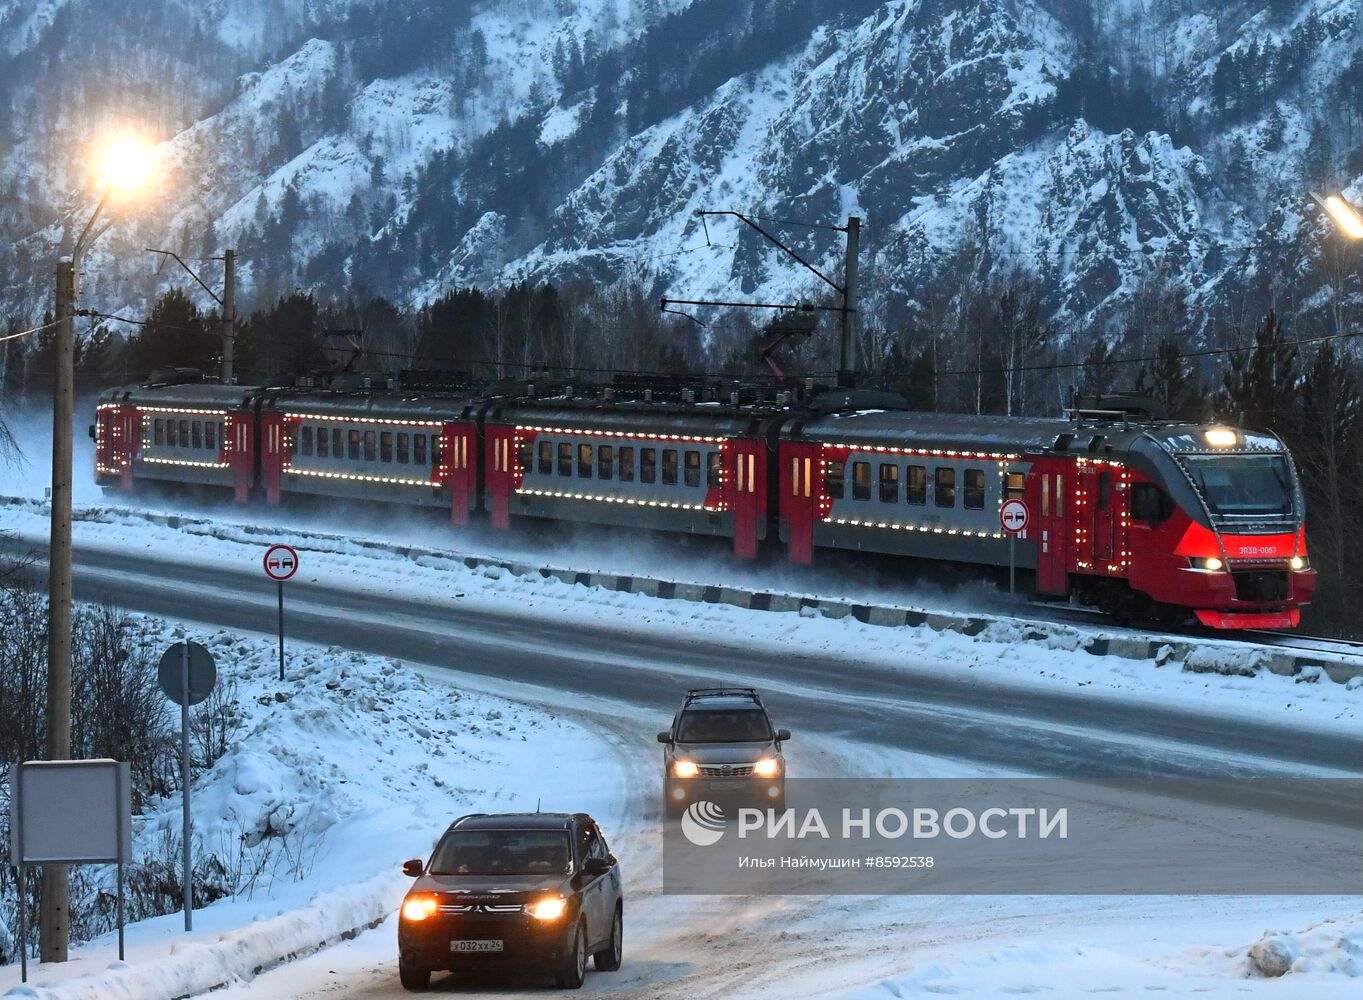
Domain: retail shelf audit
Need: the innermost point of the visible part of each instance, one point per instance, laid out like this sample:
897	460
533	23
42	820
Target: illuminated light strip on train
629	501
108	470
185	461
355	477
633	435
963	532
995	456
179	411
337	419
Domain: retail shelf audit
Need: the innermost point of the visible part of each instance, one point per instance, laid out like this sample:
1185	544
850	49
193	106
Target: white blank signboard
71	812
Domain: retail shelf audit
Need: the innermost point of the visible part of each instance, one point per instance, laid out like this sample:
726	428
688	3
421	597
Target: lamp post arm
84	240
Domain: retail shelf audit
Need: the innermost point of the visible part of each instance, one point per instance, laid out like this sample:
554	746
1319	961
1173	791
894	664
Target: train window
404	450
691	468
889	483
354	445
1045	496
371	450
196	433
861	480
626	464
419	449
944	489
605	462
305	440
210	434
546	459
159	431
834	480
648	465
1104	490
565	458
524	454
584	461
385	446
1059	494
974	489
714	469
1015	486
669	466
173	433
1149	503
323	439
184	433
437	450
916	485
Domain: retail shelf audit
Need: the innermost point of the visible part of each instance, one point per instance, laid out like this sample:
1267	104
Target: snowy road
856	716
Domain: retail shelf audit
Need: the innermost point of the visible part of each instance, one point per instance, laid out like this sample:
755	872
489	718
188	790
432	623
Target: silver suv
722	746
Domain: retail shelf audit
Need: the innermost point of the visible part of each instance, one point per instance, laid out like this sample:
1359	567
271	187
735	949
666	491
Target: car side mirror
596	867
782	735
665	736
413	868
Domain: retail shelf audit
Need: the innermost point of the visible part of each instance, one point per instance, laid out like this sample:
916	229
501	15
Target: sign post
69	812
1013	515
281	563
186	674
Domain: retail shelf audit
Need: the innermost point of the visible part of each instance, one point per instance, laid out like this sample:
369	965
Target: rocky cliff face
1107	153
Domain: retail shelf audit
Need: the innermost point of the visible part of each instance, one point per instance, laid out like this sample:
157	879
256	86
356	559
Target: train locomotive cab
1215	525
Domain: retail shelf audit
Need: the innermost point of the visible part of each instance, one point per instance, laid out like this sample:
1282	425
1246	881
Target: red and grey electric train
1143	518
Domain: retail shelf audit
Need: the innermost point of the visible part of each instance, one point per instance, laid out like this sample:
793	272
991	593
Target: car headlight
684	769
419	907
549	908
767	767
1297	563
1210	563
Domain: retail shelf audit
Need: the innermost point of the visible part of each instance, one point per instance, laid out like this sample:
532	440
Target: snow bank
1333	946
195	967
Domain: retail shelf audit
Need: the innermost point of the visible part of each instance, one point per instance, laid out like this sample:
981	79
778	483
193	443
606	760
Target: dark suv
722	746
522	889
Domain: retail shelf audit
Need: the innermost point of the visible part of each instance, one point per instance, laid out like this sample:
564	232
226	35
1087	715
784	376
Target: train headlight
685	769
1221	437
1210	563
1297	563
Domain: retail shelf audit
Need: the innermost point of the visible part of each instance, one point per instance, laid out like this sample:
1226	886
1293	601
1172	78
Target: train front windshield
1244	484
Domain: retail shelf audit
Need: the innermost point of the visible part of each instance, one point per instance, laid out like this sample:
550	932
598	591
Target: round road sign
1014	515
281	562
203	672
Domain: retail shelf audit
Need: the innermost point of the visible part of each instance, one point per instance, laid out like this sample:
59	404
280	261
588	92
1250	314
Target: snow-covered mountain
1112	154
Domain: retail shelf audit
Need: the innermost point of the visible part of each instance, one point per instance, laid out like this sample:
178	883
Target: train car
1143	520
698	467
371	444
200	434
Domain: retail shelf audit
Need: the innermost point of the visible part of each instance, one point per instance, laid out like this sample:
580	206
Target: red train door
1047	497
273	455
1101	496
238	451
801	485
497	472
131	440
745	491
458	469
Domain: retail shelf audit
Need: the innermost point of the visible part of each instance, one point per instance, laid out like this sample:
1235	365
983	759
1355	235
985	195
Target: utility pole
54	916
847	353
847	348
227	303
229	314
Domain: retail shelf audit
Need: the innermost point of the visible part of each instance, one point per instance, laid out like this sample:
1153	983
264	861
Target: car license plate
727	786
476	946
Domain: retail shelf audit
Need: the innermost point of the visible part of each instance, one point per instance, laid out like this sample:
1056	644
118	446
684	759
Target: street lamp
124	166
1345	216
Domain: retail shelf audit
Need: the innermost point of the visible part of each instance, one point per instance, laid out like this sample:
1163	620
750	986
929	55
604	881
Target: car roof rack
719	692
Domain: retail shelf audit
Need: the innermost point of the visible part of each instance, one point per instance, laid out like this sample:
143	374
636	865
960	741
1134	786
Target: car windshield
741	726
1243	484
502	852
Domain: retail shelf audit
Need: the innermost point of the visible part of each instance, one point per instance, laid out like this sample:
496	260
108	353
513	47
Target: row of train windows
404	447
607	462
916	484
187	433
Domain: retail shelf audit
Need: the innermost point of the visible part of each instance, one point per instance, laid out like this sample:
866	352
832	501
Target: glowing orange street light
1344	215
